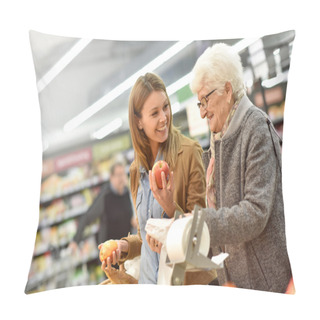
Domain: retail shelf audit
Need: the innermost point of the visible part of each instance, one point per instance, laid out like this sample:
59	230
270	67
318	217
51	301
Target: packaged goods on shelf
47	268
71	206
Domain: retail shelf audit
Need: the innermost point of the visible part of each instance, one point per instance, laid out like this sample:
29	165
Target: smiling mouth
162	128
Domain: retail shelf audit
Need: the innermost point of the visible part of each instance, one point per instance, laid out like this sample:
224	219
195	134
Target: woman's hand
165	195
116	276
154	244
108	262
111	273
116	254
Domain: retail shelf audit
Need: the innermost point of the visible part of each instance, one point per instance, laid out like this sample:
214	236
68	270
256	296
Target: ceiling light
176	107
174	87
127	84
62	63
107	129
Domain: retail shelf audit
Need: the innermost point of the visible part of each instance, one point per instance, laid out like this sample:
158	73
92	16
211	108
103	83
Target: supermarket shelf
88	183
61	243
69	214
64	267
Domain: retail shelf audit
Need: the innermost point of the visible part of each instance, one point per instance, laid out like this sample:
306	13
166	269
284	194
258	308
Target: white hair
218	65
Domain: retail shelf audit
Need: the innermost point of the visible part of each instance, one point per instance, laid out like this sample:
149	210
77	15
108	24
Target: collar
219	135
240	112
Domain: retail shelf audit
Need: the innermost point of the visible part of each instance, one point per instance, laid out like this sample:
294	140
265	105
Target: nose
203	112
163	116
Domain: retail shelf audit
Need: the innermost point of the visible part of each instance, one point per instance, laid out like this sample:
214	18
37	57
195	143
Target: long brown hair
141	90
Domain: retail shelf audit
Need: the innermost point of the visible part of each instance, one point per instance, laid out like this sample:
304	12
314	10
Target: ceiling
101	65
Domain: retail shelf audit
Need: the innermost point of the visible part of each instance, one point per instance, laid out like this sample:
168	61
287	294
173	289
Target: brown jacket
190	189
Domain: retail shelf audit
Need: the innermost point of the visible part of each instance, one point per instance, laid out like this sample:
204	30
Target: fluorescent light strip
107	129
127	84
176	107
62	63
174	87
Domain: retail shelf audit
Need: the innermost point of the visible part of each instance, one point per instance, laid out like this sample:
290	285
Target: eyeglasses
204	101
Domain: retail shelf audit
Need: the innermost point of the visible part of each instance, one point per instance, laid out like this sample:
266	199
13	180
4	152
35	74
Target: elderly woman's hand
154	244
165	195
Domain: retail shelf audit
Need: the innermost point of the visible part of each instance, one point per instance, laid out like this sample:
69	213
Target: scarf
210	179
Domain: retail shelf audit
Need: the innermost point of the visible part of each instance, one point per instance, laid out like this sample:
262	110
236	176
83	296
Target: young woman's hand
165	195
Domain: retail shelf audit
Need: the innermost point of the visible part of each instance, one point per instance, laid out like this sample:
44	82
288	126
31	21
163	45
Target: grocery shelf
69	214
88	183
65	266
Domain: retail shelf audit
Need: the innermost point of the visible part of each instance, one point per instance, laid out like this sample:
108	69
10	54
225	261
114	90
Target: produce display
158	167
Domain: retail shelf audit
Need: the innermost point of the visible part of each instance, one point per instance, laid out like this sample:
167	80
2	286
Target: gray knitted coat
249	221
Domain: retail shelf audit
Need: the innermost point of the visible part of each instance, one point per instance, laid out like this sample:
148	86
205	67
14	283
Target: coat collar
236	121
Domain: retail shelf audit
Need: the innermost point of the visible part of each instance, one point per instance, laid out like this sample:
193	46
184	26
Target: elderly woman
244	213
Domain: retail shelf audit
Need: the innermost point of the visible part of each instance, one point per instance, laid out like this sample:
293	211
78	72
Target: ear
229	91
138	122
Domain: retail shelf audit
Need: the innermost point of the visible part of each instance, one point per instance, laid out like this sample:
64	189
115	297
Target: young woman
154	138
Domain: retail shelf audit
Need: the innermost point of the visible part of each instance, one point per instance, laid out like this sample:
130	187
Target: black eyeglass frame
199	104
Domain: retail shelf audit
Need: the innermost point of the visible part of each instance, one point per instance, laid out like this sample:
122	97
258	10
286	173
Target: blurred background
83	87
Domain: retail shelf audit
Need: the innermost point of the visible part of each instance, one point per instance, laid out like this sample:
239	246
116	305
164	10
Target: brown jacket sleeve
189	177
134	245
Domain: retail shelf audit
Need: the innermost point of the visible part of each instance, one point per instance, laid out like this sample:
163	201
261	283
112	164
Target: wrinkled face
217	109
119	178
155	118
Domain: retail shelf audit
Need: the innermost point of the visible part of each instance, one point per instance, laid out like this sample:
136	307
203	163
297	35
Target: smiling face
155	119
218	107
